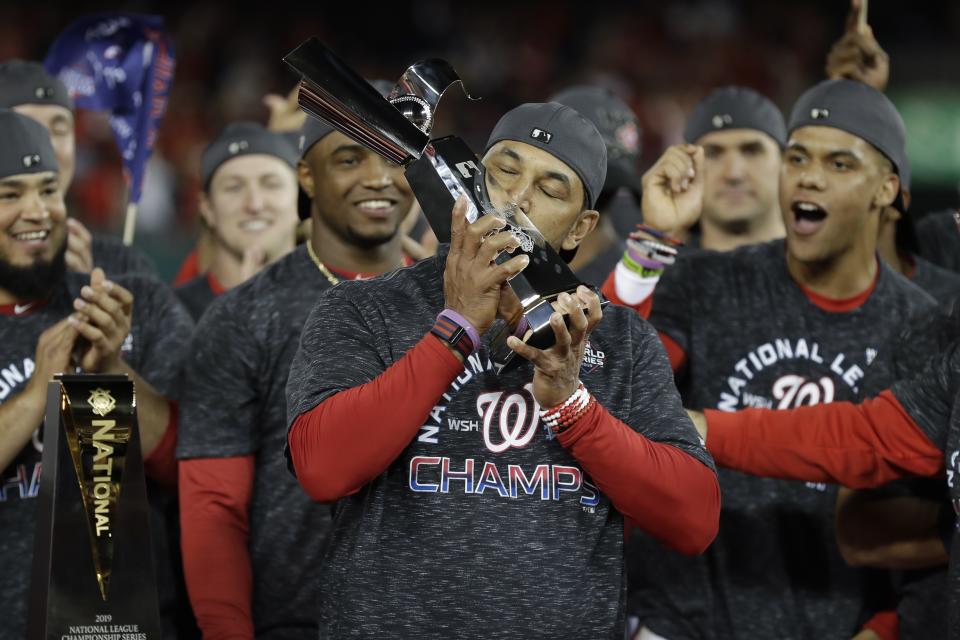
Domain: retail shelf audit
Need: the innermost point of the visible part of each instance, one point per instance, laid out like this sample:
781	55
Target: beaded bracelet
565	415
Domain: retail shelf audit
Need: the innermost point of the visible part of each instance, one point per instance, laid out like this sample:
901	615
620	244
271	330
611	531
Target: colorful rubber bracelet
456	331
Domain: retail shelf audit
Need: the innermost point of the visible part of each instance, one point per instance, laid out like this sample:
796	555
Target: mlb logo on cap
819	114
31	160
720	121
236	147
543	136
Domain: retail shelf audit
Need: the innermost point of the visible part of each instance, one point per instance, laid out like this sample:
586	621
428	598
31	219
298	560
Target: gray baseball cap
563	133
619	128
27	82
24	145
859	110
242	139
735	108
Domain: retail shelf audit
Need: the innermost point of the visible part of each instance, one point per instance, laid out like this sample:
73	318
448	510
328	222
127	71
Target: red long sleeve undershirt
215	496
676	354
350	438
161	463
858	446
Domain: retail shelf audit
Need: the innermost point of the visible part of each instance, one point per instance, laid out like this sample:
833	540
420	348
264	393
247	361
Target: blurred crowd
659	58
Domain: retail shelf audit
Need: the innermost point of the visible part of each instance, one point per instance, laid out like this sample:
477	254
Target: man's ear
586	222
305	177
206	210
887	193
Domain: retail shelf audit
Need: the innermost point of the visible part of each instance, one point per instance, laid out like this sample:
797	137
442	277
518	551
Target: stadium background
659	56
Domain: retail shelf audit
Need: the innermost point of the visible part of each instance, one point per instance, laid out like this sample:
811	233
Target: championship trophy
439	171
93	573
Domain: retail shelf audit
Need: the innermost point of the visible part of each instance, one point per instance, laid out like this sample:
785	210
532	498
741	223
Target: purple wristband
455	317
522	327
643	260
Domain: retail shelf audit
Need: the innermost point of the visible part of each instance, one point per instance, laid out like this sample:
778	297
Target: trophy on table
93	573
439	171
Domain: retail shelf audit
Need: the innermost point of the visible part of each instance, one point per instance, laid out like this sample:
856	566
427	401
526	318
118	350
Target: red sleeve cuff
723	442
885	624
161	463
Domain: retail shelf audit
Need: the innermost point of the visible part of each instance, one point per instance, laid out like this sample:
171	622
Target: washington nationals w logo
509	419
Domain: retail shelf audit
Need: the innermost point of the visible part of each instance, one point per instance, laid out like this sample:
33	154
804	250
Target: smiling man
478	505
252	540
785	324
52	320
249	205
27	88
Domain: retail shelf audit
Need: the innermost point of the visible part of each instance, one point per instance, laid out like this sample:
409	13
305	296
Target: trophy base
539	333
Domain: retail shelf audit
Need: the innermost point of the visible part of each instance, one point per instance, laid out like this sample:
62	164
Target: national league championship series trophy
439	171
93	574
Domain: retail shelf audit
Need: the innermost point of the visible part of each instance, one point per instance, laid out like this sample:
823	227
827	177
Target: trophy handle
420	88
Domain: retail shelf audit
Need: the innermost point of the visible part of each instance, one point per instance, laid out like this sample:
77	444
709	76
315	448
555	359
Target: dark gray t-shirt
752	338
235	405
155	348
941	283
938	239
922	602
196	295
932	400
462	535
117	259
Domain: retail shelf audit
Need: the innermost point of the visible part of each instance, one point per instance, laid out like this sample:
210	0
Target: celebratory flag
121	63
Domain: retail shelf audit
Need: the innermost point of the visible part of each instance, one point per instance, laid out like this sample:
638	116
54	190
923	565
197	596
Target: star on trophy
439	171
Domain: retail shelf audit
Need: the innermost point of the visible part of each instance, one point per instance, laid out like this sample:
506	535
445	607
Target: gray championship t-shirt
922	603
235	405
484	526
752	338
155	349
932	400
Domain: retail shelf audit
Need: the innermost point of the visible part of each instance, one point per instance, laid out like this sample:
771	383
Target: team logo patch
101	402
721	120
628	136
31	160
593	359
819	114
543	136
43	92
236	147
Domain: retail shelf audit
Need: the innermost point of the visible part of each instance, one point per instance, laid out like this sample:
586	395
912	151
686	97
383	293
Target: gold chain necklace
332	279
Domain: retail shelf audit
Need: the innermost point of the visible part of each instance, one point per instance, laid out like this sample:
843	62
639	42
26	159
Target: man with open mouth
249	206
788	323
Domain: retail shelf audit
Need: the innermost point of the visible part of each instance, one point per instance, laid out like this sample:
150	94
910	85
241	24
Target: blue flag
121	63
